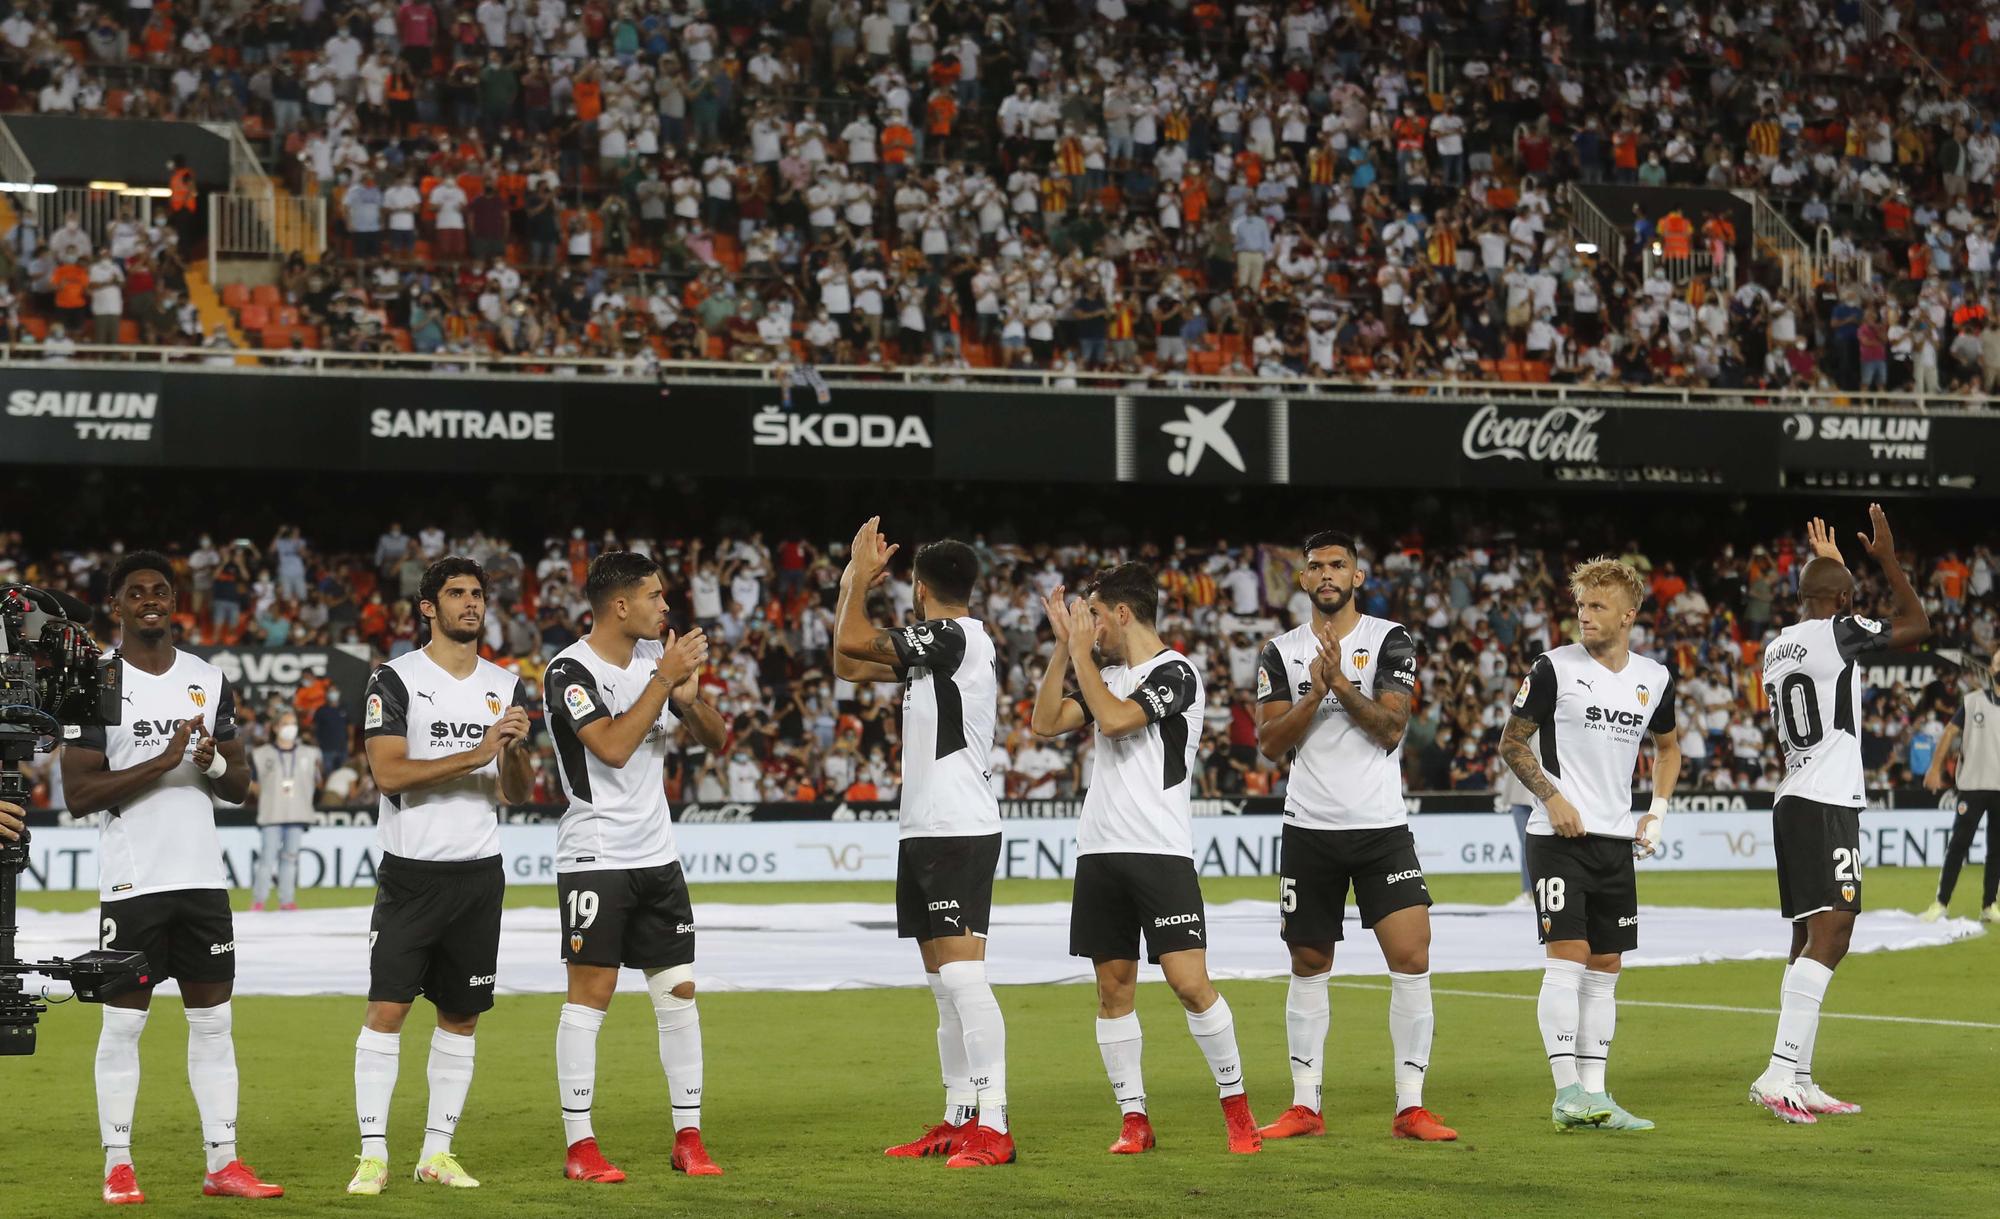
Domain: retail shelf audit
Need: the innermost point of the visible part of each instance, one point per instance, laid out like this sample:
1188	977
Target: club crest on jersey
492	703
1645	695
1360	659
197	696
576	941
578	700
373	717
1847	893
1546	924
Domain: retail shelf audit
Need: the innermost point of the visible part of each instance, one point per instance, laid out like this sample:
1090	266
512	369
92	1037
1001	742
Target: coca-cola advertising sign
1558	434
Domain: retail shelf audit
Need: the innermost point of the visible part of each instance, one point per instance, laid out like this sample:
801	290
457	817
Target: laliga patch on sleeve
72	732
373	719
1263	682
1521	699
1868	624
578	700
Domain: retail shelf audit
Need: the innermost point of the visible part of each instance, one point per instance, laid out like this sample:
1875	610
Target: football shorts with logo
1585	889
1819	856
1319	866
636	917
1120	897
435	931
186	934
944	886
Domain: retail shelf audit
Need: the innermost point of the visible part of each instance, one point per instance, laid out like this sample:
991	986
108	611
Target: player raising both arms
1346	823
446	735
155	778
950	822
1135	848
1589	706
1815	693
624	901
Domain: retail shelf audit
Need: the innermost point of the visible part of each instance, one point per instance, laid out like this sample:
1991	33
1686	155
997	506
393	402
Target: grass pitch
806	1089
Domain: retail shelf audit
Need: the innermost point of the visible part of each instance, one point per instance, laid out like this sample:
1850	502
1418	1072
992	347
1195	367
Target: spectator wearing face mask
287	774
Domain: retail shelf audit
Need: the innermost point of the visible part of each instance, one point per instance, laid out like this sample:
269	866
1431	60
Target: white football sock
1596	1023
1411	1020
1119	1043
1798	1016
212	1076
576	1067
985	1037
1215	1032
377	1056
1307	1015
118	1082
679	1022
961	1099
450	1073
1557	1011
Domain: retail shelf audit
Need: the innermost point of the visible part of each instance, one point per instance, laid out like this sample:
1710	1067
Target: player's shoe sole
1297	1122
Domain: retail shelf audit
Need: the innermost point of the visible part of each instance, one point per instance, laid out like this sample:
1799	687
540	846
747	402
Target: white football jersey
1591	724
1978	723
1341	780
1814	689
165	838
437	715
949	707
1141	790
618	816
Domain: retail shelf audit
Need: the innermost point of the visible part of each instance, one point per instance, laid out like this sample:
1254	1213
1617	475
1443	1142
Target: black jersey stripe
571	755
1551	763
1173	742
950	714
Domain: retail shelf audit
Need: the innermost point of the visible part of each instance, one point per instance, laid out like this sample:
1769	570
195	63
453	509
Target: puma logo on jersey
1586	685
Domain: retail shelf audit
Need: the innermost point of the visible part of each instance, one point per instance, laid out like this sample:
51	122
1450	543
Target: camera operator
162	887
12	821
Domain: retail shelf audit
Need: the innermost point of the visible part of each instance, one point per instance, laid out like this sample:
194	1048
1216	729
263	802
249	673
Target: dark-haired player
446	735
1814	686
156	777
612	698
1135	870
1335	694
950	822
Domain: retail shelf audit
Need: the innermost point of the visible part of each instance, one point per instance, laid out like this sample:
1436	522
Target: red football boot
1421	1124
943	1139
691	1157
121	1188
1136	1136
1294	1123
1243	1137
985	1147
239	1180
587	1163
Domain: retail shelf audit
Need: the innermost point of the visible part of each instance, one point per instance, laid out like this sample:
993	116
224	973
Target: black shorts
1119	896
640	917
1585	890
186	934
435	932
944	886
1819	857
1317	867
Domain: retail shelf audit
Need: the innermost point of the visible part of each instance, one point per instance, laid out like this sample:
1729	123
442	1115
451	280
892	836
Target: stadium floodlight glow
102	184
28	188
1586	247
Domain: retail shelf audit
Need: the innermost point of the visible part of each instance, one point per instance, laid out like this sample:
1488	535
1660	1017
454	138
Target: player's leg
401	934
659	938
1395	903
595	906
1819	890
961	895
130	925
1964	827
1989	898
1174	920
1612	923
1312	896
1560	902
913	922
1104	926
204	956
464	970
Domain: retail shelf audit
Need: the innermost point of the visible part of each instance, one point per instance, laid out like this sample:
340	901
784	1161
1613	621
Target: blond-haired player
1587	707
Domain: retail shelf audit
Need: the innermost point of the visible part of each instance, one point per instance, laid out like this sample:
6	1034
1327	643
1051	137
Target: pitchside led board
94	415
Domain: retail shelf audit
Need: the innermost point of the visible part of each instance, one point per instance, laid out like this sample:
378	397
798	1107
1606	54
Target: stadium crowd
1134	186
1480	612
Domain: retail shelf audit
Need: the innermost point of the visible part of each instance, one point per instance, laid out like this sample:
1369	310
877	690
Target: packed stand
1480	612
1134	186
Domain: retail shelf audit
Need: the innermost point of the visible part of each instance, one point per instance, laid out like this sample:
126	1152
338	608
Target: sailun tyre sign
66	418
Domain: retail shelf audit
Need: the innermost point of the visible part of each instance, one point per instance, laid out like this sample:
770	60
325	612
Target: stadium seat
253	317
267	295
235	296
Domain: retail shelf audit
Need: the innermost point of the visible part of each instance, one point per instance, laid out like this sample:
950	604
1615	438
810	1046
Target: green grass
805	1089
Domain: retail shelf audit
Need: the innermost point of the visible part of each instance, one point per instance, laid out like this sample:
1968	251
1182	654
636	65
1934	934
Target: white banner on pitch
834	850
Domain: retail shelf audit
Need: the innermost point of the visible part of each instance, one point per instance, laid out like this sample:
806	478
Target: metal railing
1593	226
246	170
1776	239
1875	22
95	210
88	356
266	225
1698	262
1853	269
14	165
